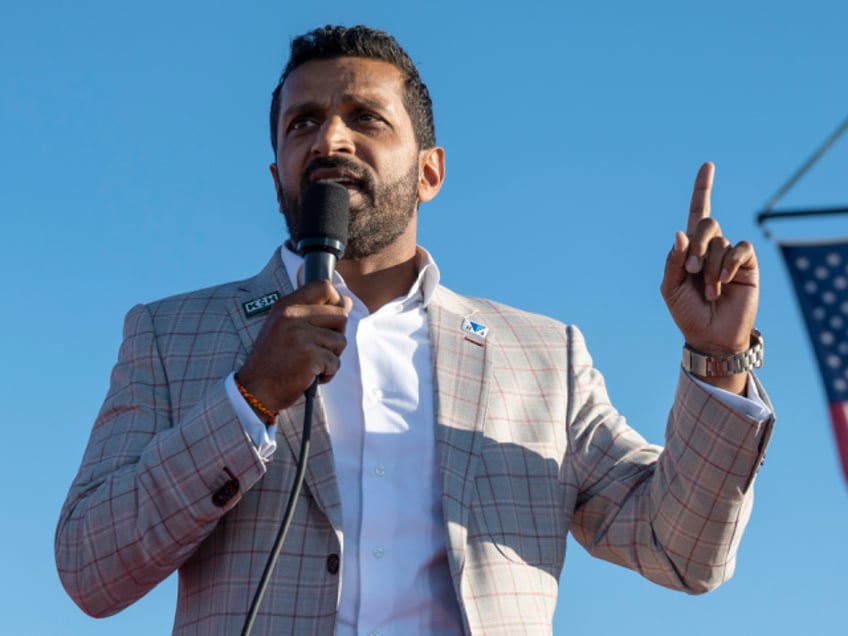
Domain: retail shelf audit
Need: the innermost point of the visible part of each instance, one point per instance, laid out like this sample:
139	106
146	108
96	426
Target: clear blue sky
134	165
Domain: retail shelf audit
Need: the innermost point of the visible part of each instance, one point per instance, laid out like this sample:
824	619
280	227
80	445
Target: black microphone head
324	218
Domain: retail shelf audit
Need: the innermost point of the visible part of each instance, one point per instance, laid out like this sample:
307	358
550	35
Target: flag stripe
839	418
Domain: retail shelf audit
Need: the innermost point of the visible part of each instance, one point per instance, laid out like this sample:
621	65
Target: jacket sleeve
149	489
674	514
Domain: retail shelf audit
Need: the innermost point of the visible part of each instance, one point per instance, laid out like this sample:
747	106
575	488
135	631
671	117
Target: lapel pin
260	305
475	329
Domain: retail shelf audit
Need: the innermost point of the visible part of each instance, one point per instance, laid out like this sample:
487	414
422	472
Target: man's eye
301	123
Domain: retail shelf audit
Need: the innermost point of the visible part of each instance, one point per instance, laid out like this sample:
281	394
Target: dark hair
330	42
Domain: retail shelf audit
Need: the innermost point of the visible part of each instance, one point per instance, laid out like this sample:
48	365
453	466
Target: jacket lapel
461	377
248	316
320	476
256	294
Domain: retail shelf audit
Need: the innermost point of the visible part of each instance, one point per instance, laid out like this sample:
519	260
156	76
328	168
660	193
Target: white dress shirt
380	412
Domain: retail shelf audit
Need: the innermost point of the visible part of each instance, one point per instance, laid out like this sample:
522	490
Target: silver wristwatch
720	365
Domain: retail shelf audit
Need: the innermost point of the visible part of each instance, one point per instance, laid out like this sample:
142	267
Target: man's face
344	120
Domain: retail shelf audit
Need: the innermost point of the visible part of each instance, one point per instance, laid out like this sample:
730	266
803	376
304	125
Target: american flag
819	273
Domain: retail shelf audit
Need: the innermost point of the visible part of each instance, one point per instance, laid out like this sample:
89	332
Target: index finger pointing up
699	208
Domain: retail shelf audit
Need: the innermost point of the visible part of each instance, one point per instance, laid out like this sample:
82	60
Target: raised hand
711	287
301	339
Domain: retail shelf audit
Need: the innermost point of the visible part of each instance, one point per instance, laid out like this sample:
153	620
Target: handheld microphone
324	219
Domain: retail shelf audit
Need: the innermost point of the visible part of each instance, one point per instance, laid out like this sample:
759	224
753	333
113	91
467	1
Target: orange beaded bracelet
256	404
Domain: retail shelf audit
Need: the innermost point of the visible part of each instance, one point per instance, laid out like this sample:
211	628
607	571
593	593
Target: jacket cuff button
225	493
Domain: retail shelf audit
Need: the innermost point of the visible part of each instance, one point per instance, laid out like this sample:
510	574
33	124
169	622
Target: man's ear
431	173
276	177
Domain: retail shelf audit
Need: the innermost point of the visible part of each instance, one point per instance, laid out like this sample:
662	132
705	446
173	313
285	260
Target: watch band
721	365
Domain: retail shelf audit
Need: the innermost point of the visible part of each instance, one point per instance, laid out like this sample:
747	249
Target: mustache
354	170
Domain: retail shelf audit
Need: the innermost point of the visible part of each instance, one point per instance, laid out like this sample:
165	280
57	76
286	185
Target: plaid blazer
529	448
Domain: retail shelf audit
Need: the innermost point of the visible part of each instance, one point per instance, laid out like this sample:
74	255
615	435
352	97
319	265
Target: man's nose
333	137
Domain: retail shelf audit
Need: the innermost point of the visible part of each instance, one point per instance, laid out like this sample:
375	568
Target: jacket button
333	564
225	493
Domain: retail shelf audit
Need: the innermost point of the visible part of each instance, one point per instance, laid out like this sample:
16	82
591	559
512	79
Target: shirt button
376	395
378	552
379	471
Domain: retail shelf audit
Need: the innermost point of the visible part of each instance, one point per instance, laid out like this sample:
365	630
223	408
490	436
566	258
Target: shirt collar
421	291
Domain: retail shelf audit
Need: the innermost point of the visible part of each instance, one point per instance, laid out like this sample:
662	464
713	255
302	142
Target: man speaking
455	441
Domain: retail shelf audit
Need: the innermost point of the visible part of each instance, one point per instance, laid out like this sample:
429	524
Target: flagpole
768	211
765	215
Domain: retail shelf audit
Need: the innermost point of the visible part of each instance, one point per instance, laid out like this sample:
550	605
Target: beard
384	213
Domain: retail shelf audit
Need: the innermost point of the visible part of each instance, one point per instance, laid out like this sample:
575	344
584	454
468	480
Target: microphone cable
289	514
325	215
